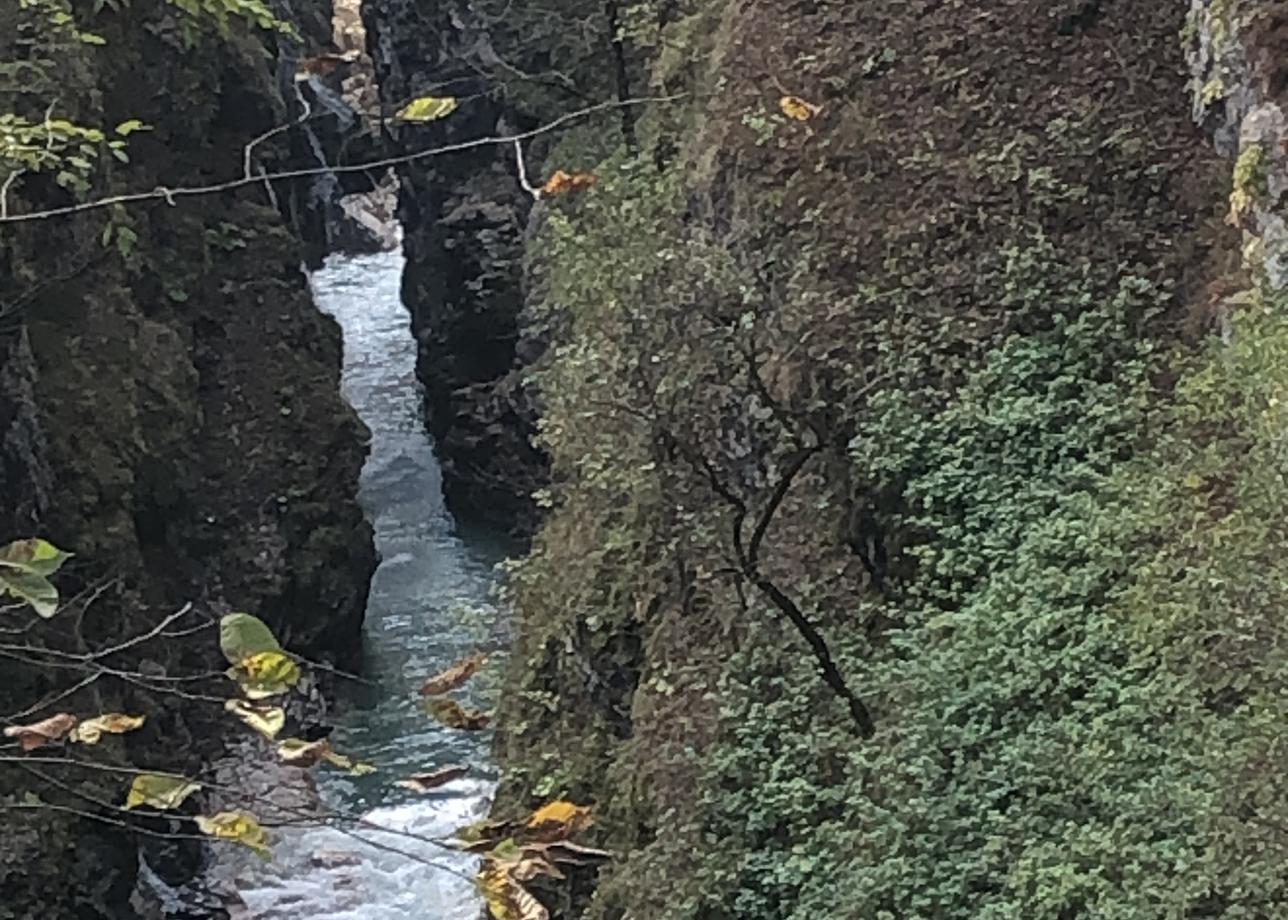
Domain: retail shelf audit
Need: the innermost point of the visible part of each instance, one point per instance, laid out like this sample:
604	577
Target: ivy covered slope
169	395
914	547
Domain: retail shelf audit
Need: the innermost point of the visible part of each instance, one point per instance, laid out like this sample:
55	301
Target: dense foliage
1035	527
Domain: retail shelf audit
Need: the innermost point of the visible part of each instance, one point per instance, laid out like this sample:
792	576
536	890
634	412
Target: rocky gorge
889	399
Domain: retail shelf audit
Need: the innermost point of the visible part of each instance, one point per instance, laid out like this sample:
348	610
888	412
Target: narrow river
429	606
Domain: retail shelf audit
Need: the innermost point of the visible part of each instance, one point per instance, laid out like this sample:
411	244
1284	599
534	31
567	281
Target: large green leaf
35	590
242	635
25	567
33	557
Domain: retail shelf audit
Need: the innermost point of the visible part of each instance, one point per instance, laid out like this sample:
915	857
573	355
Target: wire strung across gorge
171	194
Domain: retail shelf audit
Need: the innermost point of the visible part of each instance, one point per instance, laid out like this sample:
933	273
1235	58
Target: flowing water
429	606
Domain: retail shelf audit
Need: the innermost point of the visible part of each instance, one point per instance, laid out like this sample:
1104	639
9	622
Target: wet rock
464	216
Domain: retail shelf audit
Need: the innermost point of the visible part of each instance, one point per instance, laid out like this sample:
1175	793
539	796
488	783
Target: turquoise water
429	606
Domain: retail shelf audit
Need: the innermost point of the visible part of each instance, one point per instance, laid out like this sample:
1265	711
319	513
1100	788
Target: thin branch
523	172
51	700
105	819
25	760
752	559
169	195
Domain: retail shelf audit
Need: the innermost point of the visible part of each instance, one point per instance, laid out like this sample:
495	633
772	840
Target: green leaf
242	635
33	589
427	108
159	790
34	556
126	128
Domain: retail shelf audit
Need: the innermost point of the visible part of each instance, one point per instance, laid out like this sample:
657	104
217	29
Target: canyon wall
909	394
170	408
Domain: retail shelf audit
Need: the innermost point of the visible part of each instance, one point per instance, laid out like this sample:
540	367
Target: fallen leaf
111	723
454	676
562	182
797	108
427	108
300	753
160	790
241	826
482	835
506	899
530	865
267	720
334	859
322	64
557	821
454	715
424	782
40	733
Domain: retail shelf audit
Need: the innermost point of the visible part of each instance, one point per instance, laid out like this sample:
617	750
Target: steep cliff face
463	214
891	456
170	409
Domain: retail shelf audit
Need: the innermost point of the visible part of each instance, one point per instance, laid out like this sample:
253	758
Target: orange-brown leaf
454	715
557	821
797	108
561	182
454	676
424	782
40	733
323	64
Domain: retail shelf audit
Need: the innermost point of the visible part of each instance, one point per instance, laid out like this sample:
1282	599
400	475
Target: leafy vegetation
951	377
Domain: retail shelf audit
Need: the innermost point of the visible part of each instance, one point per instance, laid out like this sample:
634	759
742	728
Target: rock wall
1239	85
170	412
463	214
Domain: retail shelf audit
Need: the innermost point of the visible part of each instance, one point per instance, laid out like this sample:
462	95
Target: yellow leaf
112	723
454	715
424	782
160	790
558	820
506	899
427	108
266	674
454	676
356	767
40	733
241	826
267	720
797	108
